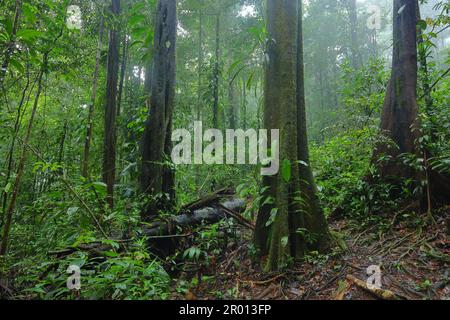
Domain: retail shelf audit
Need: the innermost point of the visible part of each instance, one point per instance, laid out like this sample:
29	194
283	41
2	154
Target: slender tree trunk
426	82
10	157
374	44
109	155
156	176
88	140
11	46
21	165
314	218
400	111
244	103
216	76
62	142
232	105
200	64
353	17
438	184
200	82
123	69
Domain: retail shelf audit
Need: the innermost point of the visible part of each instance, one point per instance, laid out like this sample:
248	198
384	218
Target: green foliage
339	166
363	91
134	276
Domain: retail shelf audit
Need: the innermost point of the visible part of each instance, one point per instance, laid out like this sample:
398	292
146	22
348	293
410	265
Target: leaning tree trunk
109	154
315	221
10	155
23	158
400	111
156	175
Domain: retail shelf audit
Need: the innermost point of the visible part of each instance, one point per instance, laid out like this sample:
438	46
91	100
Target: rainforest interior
94	96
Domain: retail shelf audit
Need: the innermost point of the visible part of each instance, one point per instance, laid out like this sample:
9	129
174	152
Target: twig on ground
377	292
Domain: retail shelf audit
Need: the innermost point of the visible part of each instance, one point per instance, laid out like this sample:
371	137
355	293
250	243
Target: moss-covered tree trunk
156	175
282	224
400	111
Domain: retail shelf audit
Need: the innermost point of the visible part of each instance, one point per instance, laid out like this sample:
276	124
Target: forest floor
415	264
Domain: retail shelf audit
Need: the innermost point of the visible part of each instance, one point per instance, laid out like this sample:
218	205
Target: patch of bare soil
414	264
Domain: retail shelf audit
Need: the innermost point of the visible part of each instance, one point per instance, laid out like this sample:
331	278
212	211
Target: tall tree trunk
216	76
123	69
400	110
295	213
87	143
109	154
11	46
200	63
314	220
274	236
156	176
199	110
21	165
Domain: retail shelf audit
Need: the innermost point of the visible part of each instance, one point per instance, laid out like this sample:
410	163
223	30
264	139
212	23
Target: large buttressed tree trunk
400	111
109	153
285	235
156	176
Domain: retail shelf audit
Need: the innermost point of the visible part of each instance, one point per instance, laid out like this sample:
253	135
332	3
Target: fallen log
169	228
208	215
208	200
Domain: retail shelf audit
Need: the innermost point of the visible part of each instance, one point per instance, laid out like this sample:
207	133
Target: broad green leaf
286	170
